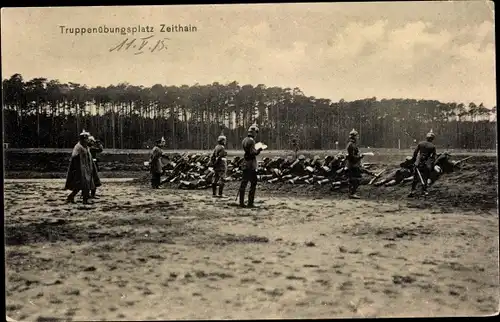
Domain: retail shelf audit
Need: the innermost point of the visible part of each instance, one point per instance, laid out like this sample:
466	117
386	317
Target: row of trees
47	113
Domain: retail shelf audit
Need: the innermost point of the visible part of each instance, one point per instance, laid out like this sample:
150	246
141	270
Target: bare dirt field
305	252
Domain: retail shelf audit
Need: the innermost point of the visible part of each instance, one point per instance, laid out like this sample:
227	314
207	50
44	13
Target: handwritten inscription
141	45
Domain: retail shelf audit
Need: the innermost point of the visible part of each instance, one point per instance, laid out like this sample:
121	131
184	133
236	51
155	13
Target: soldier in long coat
249	167
156	164
219	163
424	157
79	177
353	164
95	148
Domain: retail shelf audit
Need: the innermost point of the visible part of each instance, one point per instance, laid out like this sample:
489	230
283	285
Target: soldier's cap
353	132
430	134
84	134
408	158
221	138
302	157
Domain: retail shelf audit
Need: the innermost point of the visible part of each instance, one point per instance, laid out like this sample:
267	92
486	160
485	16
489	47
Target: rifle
462	160
420	176
376	176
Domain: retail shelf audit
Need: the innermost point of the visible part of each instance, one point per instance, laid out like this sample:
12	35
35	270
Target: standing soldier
95	147
219	164
353	164
426	153
249	167
156	164
80	170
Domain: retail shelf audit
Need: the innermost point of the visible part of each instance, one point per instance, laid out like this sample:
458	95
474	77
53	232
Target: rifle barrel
464	159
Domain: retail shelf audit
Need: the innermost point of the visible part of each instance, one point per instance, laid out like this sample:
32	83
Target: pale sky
421	50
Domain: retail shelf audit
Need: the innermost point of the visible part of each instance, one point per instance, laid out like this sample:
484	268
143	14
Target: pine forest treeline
47	113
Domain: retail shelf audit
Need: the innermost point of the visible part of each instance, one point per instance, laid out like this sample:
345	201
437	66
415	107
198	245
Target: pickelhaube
253	128
221	138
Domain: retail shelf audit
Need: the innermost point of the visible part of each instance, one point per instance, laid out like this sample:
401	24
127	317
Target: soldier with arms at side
156	164
219	164
353	164
249	167
423	158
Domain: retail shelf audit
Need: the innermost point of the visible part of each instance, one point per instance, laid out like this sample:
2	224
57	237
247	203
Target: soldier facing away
156	164
353	164
423	158
249	167
219	164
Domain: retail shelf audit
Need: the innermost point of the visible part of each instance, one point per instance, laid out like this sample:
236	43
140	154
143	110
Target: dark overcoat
80	171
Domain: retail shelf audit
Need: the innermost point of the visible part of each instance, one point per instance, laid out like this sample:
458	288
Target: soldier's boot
353	195
251	198
86	197
242	198
221	190
413	188
354	188
92	194
71	197
350	189
214	190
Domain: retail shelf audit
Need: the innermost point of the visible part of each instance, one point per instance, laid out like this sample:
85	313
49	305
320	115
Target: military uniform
95	148
249	167
220	166
353	164
156	165
423	158
79	177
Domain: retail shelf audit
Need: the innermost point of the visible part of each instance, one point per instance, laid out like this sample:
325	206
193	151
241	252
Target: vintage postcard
250	161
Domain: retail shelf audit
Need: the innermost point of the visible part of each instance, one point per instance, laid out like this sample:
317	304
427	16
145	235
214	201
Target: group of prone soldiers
422	163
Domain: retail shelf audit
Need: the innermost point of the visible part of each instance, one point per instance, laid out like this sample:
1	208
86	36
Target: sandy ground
139	254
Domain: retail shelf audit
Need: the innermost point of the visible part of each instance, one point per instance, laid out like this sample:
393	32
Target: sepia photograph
250	161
